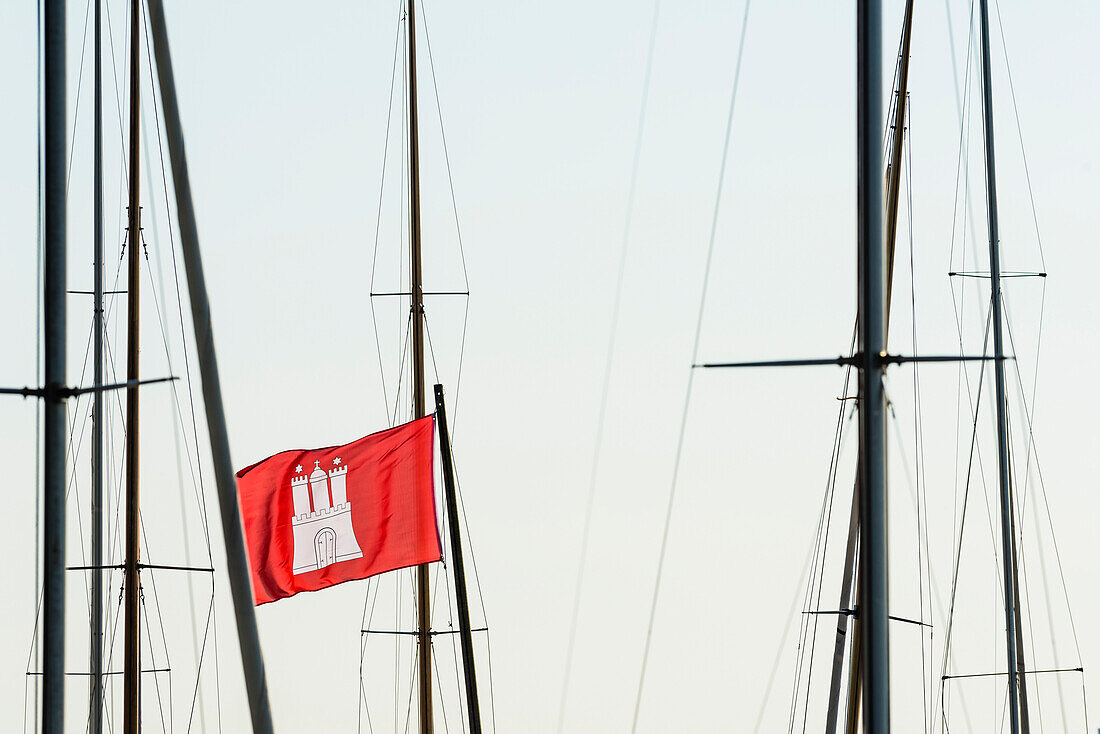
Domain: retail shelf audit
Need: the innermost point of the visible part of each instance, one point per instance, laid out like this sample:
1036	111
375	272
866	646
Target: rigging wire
401	41
378	215
75	446
39	237
443	138
1029	414
1032	457
458	228
807	640
1020	133
605	390
958	304
814	586
691	373
76	105
924	566
1029	435
783	640
962	179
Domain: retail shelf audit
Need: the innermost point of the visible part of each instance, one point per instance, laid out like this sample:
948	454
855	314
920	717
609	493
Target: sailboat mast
132	582
874	571
850	578
95	702
54	356
416	289
1017	690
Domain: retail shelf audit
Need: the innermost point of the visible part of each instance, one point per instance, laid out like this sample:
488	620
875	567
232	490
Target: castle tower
323	534
299	486
338	483
318	485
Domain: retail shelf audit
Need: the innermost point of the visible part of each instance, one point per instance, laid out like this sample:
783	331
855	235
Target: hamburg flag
318	517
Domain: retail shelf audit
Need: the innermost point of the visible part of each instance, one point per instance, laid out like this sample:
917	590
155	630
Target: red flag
318	517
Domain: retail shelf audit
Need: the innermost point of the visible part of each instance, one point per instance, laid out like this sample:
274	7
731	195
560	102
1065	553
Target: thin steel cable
401	369
365	620
404	198
151	574
439	687
691	374
202	653
431	348
918	435
1029	414
76	106
963	102
1023	401
201	495
72	449
609	358
830	489
458	227
412	686
177	424
1020	133
378	216
783	639
124	173
153	664
461	361
477	577
443	137
1032	456
40	214
958	307
814	585
975	404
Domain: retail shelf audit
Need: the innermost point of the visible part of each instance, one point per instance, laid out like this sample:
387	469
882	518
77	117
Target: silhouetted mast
416	289
850	579
131	581
1017	688
95	694
873	541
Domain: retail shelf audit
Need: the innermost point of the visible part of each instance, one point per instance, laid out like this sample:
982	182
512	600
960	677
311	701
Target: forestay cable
609	358
691	371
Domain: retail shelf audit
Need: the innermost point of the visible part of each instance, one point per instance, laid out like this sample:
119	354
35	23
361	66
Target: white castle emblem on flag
323	533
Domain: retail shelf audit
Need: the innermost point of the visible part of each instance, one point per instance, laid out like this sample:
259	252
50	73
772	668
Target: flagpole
423	603
464	631
132	582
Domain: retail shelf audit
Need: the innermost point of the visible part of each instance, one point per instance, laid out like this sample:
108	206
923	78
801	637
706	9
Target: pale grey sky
284	109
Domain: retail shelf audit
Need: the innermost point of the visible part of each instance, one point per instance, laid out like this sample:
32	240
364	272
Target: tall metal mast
851	567
1017	691
95	702
416	289
132	582
874	571
53	310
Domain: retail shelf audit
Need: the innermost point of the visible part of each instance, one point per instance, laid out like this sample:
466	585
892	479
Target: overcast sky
284	107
